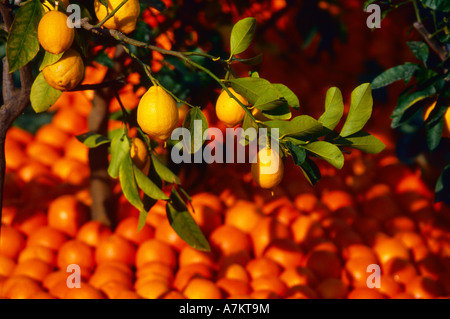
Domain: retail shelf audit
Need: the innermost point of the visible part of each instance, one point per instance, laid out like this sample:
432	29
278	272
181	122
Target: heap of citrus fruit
299	242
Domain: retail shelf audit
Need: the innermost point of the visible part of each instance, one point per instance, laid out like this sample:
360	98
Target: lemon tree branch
111	14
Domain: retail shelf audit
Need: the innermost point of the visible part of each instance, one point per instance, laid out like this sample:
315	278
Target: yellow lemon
139	154
124	19
53	33
157	113
268	170
228	109
67	73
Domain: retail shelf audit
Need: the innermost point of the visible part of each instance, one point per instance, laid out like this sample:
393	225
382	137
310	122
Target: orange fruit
234	271
20	287
115	248
71	171
113	288
155	267
332	288
186	273
324	264
336	199
128	229
127	294
271	283
295	276
400	269
301	292
243	215
365	293
79	253
356	269
155	250
306	202
165	233
32	170
29	219
285	252
7	266
389	287
206	211
106	274
229	240
43	253
86	291
76	150
390	248
232	287
263	294
189	255
263	266
34	268
201	288
51	135
67	214
92	232
153	289
306	230
359	251
69	121
53	278
424	288
11	242
42	295
267	230
48	237
42	153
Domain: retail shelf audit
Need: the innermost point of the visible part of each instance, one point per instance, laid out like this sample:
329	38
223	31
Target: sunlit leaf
242	35
42	95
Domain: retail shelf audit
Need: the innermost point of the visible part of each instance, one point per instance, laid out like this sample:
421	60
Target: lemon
139	154
67	73
124	19
53	33
268	170
228	109
157	113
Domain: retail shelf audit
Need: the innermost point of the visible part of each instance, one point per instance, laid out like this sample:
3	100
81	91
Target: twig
111	14
440	50
112	83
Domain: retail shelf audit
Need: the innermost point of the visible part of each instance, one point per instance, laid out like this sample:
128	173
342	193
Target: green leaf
360	110
156	4
129	188
120	148
289	96
334	109
440	5
280	113
23	44
242	35
42	95
197	131
311	171
396	73
49	59
163	171
442	189
405	101
259	92
434	125
184	224
256	60
362	141
104	59
298	153
420	50
147	185
302	126
93	140
326	151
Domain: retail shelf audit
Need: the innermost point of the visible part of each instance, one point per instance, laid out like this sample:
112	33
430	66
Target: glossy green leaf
257	59
120	148
163	171
334	109
147	185
42	95
184	224
289	96
298	153
360	110
434	125
396	73
282	112
420	50
23	44
302	126
49	59
242	35
193	116
311	171
362	141
93	140
327	151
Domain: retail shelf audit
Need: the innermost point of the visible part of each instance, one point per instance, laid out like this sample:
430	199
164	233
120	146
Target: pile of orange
299	242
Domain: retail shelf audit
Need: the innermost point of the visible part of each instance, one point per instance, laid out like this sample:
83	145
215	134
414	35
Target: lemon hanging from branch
53	33
124	19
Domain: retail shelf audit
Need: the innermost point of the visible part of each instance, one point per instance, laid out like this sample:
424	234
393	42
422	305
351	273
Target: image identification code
246	308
